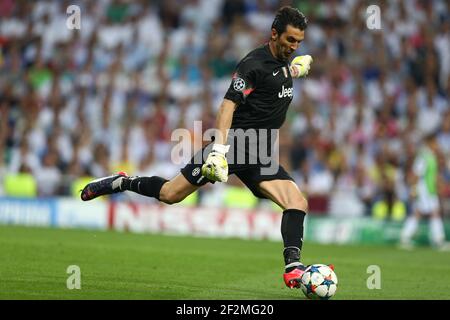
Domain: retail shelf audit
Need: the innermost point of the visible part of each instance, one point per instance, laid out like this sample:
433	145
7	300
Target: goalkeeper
256	101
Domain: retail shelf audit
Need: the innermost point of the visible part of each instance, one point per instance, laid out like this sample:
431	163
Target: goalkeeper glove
216	166
300	66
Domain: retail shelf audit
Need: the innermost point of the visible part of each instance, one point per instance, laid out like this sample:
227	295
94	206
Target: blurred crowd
83	103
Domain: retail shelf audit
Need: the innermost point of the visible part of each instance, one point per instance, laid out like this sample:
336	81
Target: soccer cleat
292	278
103	186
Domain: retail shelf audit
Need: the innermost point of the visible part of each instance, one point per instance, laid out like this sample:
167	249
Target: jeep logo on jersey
286	92
239	84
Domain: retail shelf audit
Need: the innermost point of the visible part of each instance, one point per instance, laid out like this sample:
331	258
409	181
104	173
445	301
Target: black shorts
250	174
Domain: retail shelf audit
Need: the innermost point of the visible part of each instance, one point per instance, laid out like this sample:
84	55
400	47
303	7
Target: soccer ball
319	282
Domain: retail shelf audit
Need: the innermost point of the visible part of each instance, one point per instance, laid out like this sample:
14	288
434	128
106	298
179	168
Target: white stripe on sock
292	248
293	264
117	183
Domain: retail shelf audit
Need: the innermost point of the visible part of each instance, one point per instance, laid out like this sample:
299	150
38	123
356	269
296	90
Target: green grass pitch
34	262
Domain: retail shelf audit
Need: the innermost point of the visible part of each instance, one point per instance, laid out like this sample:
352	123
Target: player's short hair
287	15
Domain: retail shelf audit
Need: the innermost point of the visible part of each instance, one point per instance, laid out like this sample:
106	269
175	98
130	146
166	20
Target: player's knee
170	197
299	203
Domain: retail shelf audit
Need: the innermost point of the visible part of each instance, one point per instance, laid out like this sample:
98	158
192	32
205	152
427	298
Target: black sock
292	233
146	186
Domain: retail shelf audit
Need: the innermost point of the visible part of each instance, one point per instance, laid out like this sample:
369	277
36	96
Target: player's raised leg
167	191
288	196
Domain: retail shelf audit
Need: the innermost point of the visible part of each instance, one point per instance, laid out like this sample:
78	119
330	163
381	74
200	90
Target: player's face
287	42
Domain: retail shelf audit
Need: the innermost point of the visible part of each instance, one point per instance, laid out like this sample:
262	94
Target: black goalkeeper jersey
262	89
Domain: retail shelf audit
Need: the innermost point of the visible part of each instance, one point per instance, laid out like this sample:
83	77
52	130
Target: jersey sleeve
244	81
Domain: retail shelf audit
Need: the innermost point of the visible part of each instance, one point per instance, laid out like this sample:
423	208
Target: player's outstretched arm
224	119
216	166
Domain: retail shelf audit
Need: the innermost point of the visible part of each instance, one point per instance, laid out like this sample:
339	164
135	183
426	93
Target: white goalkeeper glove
216	165
300	66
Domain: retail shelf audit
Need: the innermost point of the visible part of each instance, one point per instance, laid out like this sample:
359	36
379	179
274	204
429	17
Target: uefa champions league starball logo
239	84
